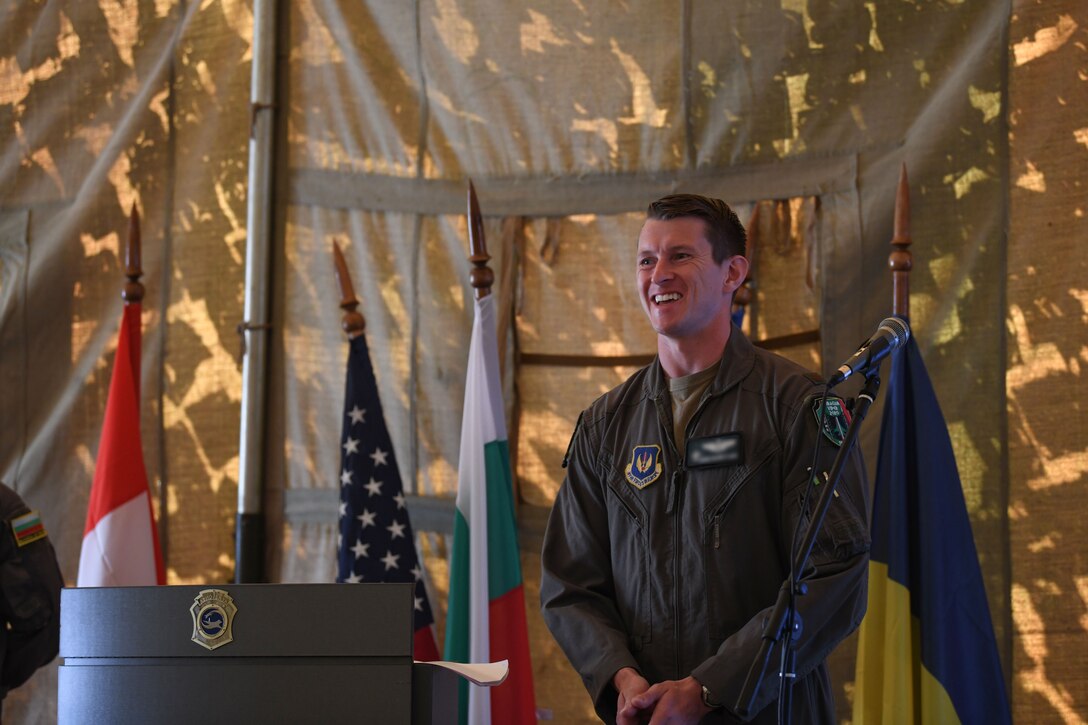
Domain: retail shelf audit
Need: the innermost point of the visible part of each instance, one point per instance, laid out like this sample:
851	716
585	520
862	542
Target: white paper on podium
484	674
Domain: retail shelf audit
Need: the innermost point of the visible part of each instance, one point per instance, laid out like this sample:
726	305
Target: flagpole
374	516
133	293
353	322
133	290
120	538
486	613
901	260
249	531
927	607
481	277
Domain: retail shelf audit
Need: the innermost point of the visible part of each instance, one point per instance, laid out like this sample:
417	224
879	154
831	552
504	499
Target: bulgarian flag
120	543
486	616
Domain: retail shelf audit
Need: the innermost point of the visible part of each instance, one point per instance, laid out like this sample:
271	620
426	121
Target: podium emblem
213	612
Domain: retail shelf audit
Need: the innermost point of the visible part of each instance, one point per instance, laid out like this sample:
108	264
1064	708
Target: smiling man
672	532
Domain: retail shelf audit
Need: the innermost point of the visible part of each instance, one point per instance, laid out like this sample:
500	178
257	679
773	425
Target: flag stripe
503	564
892	683
460	616
457	610
424	647
508	628
25	529
30	532
120	474
119	550
506	620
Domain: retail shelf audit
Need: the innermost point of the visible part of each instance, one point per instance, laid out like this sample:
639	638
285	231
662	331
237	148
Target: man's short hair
723	229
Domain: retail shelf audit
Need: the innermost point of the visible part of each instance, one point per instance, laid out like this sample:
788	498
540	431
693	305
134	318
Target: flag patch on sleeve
27	528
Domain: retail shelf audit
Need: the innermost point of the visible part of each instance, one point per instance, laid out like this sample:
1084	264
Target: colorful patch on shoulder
645	466
28	528
836	418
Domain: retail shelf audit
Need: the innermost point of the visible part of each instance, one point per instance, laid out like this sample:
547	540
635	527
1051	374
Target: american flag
376	542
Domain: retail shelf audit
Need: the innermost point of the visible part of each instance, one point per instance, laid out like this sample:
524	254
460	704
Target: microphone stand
775	627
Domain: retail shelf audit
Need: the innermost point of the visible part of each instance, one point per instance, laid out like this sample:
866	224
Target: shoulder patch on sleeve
27	528
835	418
645	465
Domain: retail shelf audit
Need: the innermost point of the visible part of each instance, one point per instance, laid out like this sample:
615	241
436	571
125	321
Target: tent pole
249	531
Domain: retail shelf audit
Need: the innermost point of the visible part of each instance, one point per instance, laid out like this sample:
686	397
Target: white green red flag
486	616
120	542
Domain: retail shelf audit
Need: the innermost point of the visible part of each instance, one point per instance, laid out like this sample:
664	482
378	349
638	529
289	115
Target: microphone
892	334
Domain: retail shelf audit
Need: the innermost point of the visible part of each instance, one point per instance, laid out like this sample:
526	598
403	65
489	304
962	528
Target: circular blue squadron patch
645	466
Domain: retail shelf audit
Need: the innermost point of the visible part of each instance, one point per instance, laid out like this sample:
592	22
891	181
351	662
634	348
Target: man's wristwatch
708	700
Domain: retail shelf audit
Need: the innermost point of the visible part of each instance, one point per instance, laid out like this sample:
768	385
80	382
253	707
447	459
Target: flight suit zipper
677	481
672	506
687	436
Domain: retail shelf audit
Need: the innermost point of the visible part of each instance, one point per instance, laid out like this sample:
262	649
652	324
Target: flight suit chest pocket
732	541
628	524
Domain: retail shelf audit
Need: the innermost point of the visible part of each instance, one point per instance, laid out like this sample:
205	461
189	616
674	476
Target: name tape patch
726	449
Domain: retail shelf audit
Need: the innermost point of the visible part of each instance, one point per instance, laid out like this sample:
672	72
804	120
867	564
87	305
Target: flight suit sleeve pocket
844	533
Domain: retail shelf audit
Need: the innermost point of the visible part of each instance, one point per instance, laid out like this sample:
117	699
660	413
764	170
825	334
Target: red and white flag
120	542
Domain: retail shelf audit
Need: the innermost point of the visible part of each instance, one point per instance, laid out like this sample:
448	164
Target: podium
273	653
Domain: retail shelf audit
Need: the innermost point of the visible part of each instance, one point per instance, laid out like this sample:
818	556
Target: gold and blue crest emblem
645	466
213	613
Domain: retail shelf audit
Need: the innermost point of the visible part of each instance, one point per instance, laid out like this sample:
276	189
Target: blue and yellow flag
926	652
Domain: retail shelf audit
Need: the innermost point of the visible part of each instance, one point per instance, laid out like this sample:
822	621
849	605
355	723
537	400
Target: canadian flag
120	542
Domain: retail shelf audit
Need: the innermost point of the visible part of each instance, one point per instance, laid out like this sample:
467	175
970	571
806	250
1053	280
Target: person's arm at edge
836	597
577	593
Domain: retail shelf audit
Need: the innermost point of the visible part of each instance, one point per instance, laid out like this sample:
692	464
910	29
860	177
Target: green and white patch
835	420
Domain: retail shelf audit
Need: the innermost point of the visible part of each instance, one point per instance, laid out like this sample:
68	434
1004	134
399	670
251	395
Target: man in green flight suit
672	532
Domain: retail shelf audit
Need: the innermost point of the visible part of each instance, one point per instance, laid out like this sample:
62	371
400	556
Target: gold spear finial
901	260
481	276
133	290
353	321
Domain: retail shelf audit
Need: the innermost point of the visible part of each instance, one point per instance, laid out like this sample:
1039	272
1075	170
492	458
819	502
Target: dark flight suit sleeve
30	584
577	592
837	572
